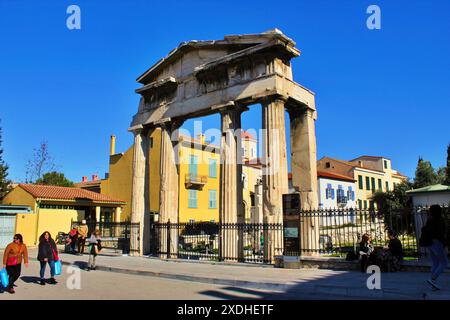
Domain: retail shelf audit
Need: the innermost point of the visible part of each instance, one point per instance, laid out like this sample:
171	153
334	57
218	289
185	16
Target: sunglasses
16	238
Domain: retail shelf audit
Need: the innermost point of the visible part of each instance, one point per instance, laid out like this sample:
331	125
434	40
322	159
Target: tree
447	169
55	179
441	175
5	184
425	174
42	162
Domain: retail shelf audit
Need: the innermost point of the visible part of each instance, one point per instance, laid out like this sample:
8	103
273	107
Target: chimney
201	138
94	177
84	179
112	145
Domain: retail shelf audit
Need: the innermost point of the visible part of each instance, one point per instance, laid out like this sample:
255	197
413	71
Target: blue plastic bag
57	267
4	276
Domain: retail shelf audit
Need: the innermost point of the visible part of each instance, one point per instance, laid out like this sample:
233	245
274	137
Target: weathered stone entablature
201	74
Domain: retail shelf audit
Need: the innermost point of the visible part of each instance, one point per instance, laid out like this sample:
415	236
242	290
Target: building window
193	165
212	168
327	165
359	204
212	199
387	185
341	195
365	204
374	187
360	182
380	185
252	199
367	183
385	164
192	200
329	192
350	194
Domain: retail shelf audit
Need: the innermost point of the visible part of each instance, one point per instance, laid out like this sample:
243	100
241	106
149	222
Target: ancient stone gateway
200	78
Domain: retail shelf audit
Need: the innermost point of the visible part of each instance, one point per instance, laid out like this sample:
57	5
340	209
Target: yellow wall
202	212
251	174
25	223
364	194
57	220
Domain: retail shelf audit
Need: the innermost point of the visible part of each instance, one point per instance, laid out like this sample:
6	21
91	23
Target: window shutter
332	194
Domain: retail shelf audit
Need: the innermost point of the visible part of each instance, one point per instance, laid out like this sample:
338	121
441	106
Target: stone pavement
283	283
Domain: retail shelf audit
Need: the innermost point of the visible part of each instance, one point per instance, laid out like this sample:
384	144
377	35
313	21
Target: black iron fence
243	242
114	235
336	232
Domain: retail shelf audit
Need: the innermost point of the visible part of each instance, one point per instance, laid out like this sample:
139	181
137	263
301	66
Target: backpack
425	238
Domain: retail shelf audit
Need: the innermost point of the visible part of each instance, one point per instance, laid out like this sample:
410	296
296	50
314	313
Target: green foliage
447	169
425	174
5	184
55	179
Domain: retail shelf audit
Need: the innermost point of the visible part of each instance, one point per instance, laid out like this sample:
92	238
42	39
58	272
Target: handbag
4	277
57	267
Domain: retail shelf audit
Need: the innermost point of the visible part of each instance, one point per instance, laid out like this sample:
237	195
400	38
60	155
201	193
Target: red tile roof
248	135
65	193
326	174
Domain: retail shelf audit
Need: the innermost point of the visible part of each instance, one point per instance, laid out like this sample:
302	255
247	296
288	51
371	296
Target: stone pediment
198	76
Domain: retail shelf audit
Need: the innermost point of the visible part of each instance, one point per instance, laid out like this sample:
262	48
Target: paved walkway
283	283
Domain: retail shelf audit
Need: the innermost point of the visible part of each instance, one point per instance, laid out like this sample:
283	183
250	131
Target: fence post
168	239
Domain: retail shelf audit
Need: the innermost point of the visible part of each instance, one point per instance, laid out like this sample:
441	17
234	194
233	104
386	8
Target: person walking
73	236
47	253
14	254
433	237
82	235
94	248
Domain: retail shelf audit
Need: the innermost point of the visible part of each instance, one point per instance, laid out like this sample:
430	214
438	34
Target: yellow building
54	208
370	173
199	177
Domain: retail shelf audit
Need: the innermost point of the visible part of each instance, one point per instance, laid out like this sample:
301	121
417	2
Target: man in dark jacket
435	227
47	253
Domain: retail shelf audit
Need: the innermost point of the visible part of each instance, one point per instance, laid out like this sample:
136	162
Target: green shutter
368	183
361	183
212	168
374	187
192	200
212	199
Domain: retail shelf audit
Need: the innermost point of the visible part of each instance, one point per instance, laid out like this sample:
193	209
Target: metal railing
335	232
114	235
243	242
191	178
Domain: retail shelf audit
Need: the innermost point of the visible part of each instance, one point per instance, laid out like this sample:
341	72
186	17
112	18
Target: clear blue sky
379	92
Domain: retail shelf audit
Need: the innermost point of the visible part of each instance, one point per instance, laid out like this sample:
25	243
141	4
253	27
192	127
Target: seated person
365	251
393	253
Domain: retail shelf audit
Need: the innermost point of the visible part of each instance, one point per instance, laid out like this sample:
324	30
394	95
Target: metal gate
7	228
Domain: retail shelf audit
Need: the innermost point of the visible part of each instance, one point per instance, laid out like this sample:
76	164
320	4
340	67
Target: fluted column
275	173
230	183
168	207
304	171
138	197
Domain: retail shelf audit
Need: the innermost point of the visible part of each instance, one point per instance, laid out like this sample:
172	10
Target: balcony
194	181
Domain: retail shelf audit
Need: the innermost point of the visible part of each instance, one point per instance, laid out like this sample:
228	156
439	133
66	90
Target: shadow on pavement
30	279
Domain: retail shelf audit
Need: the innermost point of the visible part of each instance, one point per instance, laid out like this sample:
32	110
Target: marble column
168	206
138	197
275	173
230	184
304	171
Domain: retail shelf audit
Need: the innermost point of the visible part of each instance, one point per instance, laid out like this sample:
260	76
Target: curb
183	277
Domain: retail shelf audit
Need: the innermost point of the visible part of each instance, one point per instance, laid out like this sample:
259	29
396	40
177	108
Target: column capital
274	98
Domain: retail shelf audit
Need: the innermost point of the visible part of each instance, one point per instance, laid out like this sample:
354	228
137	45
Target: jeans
13	274
52	268
438	257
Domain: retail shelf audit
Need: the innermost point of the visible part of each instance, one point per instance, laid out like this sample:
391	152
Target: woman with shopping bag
14	254
48	253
